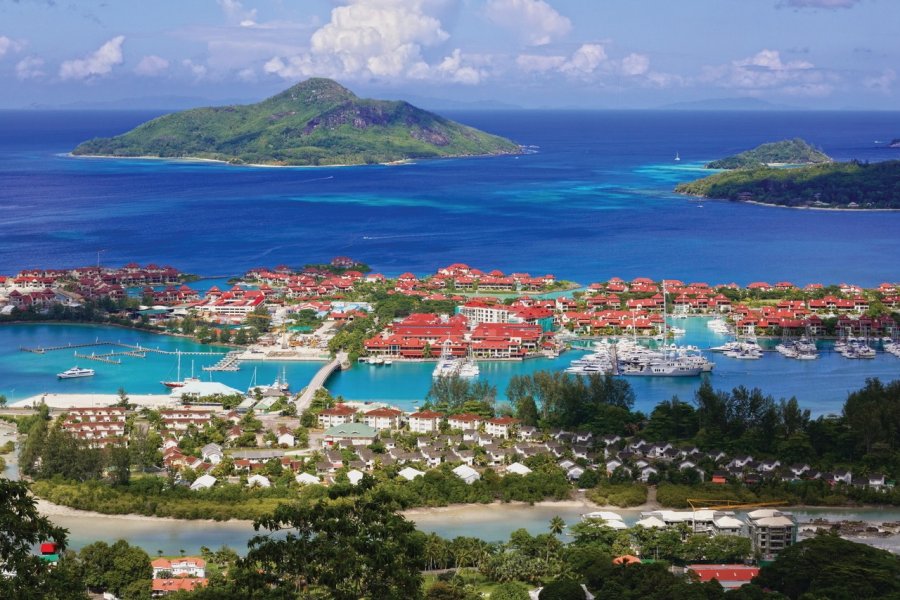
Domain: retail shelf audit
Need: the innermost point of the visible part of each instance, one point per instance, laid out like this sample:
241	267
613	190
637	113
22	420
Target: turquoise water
820	385
24	374
492	523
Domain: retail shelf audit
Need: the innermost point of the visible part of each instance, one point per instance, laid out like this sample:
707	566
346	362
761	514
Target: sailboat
178	382
677	157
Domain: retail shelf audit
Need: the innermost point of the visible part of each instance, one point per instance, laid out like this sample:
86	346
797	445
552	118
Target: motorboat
75	372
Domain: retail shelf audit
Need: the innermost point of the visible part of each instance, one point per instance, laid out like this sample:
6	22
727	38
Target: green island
315	122
785	152
846	185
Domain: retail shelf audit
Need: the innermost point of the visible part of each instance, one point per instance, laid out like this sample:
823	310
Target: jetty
137	351
318	381
230	362
99	358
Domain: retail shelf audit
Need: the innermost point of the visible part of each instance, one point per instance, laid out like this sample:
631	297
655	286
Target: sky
811	54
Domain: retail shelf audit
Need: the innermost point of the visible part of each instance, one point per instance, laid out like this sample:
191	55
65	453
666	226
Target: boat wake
403	235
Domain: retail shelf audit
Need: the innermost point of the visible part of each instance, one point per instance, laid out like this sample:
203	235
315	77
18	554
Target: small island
850	185
895	143
316	122
785	152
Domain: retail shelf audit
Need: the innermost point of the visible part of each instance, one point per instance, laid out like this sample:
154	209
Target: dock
99	358
230	362
318	381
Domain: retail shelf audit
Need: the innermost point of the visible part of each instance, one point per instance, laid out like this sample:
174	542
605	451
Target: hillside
832	185
316	122
785	152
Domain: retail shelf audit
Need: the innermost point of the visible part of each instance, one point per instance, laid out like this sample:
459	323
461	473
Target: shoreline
191	159
769	205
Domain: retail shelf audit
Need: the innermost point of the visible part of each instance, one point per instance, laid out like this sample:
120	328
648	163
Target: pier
230	362
99	358
319	379
131	350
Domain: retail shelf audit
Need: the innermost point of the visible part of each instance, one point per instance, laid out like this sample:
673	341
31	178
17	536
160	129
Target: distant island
316	122
785	152
895	143
850	185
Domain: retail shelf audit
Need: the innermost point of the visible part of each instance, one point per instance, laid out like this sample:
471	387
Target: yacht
744	353
75	372
660	368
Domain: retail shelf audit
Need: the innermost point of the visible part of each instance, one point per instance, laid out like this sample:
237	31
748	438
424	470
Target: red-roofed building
425	421
729	577
383	418
161	587
336	415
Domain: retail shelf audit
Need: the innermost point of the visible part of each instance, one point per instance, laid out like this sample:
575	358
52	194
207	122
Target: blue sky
533	53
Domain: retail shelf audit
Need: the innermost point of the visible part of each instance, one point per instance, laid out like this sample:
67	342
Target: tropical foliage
316	122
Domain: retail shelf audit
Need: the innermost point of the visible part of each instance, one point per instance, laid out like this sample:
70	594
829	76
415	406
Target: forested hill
834	185
316	122
785	152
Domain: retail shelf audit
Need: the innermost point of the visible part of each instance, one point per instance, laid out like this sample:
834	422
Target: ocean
591	202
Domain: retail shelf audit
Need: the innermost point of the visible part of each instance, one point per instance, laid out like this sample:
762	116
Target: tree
827	566
352	547
22	527
511	590
557	525
562	589
2	401
120	568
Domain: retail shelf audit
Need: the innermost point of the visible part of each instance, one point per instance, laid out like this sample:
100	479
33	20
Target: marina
820	385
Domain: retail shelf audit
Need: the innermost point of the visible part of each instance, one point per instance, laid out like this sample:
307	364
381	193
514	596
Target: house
213	453
575	473
258	481
204	482
408	473
876	480
336	415
285	437
501	427
383	419
518	468
185	566
843	476
467	474
161	587
349	434
355	476
465	421
527	432
648	472
307	479
730	577
425	421
771	531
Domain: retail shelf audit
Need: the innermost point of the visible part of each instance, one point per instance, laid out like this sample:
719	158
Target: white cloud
883	82
9	45
766	70
537	22
151	66
197	70
635	64
96	64
536	63
585	60
30	67
236	13
380	38
818	3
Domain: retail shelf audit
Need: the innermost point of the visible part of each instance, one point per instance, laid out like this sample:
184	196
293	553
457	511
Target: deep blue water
592	203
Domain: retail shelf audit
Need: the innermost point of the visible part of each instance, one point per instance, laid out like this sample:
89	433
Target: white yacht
75	372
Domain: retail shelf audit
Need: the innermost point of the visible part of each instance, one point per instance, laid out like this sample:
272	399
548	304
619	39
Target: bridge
318	381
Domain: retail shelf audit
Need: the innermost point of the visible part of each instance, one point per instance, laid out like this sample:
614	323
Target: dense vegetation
837	185
785	152
316	122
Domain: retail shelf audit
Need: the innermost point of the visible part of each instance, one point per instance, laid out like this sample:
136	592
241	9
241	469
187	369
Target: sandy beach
91	400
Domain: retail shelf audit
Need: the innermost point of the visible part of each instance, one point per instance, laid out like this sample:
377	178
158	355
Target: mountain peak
315	90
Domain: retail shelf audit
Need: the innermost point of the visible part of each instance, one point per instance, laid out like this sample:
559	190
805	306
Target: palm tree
557	525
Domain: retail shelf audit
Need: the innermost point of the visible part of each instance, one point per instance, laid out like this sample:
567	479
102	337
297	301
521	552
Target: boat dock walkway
319	379
230	362
131	348
99	358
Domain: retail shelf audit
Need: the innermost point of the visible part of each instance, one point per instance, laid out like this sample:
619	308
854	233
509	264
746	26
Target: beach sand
91	400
